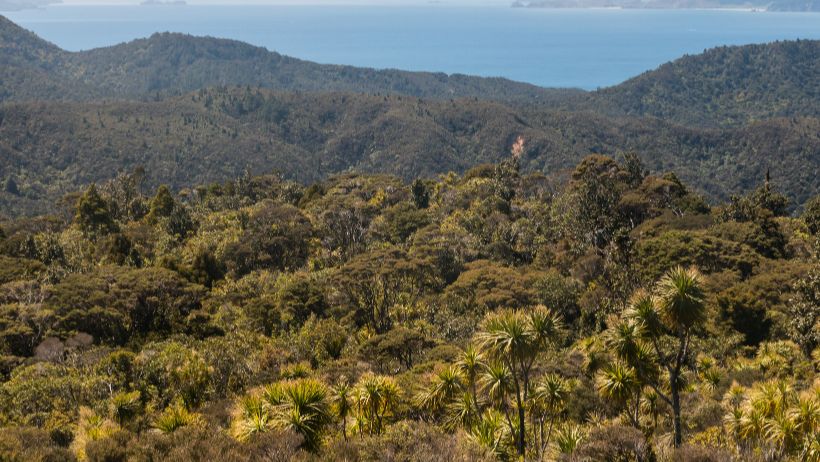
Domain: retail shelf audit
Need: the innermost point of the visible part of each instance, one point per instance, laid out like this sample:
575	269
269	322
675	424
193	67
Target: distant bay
584	48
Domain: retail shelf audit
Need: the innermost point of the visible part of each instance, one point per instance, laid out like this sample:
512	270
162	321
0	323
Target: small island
747	5
163	3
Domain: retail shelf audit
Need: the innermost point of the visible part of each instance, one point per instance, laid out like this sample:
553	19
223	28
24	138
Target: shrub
615	443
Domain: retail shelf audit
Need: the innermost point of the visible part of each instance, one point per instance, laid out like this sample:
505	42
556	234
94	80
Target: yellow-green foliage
490	315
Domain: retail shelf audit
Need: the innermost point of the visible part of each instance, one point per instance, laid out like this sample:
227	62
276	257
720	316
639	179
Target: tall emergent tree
514	340
668	321
92	213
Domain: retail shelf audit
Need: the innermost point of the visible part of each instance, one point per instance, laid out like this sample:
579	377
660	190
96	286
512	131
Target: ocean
587	49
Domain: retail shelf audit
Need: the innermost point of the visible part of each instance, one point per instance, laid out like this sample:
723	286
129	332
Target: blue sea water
552	48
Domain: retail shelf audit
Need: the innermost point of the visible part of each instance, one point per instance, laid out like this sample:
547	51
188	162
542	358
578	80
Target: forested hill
723	86
49	149
190	110
170	63
726	85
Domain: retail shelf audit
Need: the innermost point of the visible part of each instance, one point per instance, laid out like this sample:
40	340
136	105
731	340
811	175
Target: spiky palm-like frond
806	415
735	396
91	427
251	417
568	437
772	398
305	410
544	324
461	412
518	336
505	334
645	363
490	432
342	402
618	382
624	338
301	405
643	312
551	393
810	451
445	385
177	416
680	298
711	378
125	406
594	352
734	422
497	381
783	433
752	425
342	399
375	398
470	363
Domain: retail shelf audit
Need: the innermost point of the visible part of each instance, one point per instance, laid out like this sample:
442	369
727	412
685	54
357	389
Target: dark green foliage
489	285
402	345
402	220
374	282
615	443
440	251
206	269
560	294
275	236
119	250
811	215
421	195
92	214
374	135
31	444
153	328
119	303
162	205
725	85
409	442
18	268
758	204
300	298
113	448
310	135
17	337
804	312
672	248
10	186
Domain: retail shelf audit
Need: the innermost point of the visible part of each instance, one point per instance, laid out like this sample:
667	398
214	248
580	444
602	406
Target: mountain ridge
173	63
723	86
214	135
726	85
61	133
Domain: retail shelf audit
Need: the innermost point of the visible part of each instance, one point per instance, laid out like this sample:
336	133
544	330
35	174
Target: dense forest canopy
470	317
51	149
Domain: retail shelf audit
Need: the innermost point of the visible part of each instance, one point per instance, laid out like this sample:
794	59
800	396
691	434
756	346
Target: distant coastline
728	5
19	5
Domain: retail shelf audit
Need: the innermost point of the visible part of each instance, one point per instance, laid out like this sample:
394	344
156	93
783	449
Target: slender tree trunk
475	398
521	431
549	432
673	383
